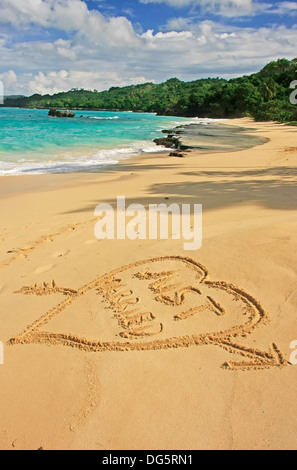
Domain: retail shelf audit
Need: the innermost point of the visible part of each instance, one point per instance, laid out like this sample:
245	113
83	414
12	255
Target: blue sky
48	46
156	15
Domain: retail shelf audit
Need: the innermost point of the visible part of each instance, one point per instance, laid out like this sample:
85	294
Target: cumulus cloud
54	82
178	24
8	79
67	16
96	52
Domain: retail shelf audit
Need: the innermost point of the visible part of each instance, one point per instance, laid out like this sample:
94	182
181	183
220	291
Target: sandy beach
204	362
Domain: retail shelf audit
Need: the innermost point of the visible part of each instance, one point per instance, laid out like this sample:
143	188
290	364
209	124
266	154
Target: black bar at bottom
137	459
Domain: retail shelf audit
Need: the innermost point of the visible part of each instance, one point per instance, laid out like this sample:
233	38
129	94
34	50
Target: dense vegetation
264	96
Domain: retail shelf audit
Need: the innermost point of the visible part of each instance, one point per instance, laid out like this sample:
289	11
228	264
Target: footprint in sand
44	269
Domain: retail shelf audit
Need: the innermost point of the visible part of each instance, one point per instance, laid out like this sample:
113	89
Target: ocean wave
202	121
49	167
189	121
77	163
103	118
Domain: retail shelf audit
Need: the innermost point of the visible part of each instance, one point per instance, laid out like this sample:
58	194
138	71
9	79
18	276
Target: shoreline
179	141
119	166
109	399
112	144
189	136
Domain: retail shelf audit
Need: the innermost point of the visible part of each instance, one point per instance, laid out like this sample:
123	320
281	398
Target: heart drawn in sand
161	303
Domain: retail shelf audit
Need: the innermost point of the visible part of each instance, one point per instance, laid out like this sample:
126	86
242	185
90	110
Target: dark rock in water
176	154
61	114
169	142
168	131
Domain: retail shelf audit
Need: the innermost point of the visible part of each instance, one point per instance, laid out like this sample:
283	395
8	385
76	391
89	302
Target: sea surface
31	142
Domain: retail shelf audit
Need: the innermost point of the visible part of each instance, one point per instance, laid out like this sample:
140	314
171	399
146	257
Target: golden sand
122	344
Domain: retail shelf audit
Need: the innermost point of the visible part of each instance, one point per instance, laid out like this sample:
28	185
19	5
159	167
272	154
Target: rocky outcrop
168	142
172	142
61	114
176	154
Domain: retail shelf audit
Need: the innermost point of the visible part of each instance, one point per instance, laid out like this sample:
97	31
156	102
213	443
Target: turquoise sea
31	142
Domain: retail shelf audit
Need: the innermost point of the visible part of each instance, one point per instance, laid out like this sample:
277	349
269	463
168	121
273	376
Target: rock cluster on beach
172	141
168	142
62	114
177	154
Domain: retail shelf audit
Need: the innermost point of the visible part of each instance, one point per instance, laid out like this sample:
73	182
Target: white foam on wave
78	162
189	121
93	159
202	121
103	118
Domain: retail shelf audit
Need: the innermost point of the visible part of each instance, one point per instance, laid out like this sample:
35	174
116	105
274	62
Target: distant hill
264	95
14	97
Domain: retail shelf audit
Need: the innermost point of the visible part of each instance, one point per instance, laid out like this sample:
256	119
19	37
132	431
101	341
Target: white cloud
8	79
99	52
178	24
68	16
284	8
54	82
231	8
228	8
